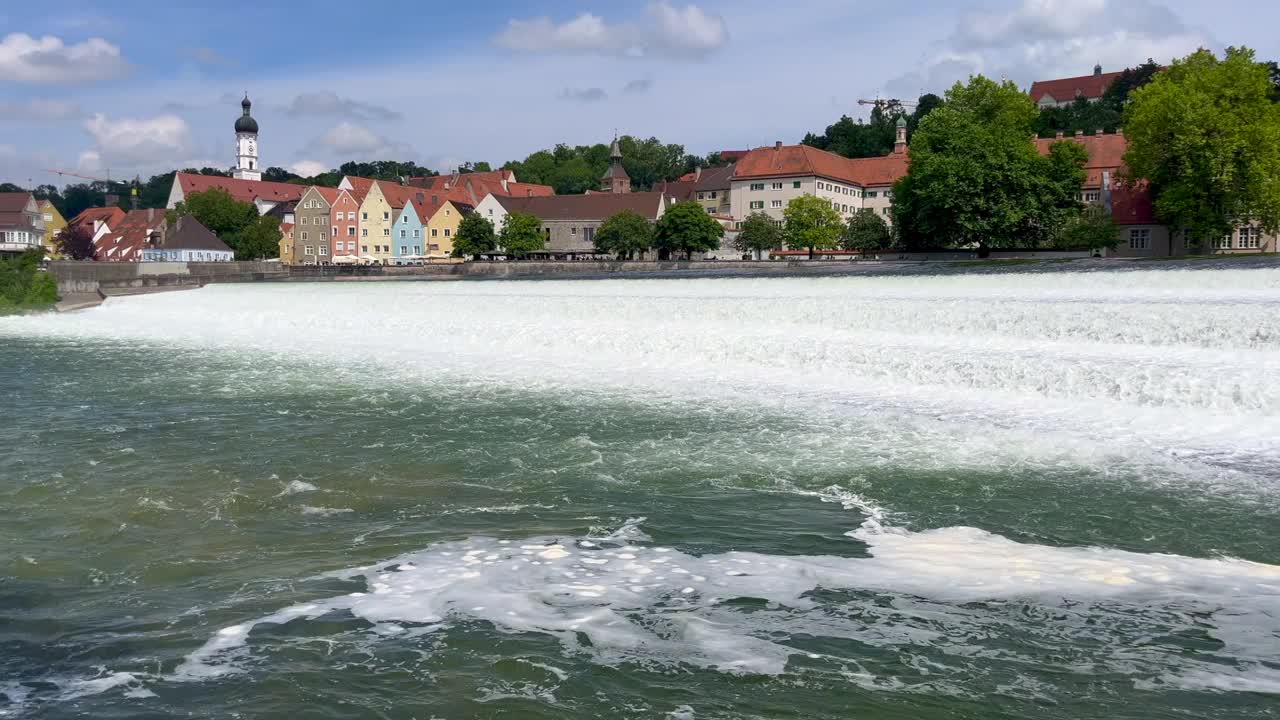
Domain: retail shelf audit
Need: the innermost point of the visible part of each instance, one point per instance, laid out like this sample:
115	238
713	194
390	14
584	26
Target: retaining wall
76	278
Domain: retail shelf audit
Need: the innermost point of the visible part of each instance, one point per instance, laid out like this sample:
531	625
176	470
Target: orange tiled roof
801	160
109	215
1106	153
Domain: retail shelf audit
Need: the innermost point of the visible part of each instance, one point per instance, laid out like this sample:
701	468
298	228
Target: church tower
247	166
616	179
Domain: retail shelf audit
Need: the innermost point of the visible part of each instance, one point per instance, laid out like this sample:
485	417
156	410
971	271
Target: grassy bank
24	287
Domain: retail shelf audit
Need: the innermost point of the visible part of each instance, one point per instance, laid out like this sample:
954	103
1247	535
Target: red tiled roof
1132	205
1068	89
801	160
242	190
523	189
128	237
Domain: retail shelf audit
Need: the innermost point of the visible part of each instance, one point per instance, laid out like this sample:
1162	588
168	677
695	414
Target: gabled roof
802	160
397	195
473	187
112	216
716	178
14	201
242	190
1106	153
1068	89
592	206
129	236
190	234
328	194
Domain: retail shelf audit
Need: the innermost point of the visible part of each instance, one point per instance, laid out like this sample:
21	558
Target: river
928	496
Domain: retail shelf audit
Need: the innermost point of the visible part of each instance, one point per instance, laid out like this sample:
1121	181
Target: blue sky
142	87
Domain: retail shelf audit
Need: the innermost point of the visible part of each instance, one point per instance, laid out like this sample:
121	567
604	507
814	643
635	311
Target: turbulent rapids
1048	493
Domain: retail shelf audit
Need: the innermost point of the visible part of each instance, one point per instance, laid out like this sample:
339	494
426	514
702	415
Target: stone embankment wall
102	278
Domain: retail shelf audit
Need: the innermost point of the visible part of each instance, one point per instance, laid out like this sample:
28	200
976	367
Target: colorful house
345	222
375	219
410	231
312	228
287	247
443	226
53	224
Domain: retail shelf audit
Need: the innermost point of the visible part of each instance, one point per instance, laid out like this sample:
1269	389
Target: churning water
999	495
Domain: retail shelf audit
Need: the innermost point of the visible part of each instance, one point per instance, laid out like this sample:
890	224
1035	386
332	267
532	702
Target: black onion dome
245	123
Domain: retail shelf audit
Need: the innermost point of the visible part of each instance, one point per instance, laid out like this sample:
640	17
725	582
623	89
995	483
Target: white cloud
308	168
39	110
139	142
329	103
665	30
49	61
89	161
356	142
1044	39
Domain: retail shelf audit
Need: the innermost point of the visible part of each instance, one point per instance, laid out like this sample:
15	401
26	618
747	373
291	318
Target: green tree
474	236
759	234
624	234
259	240
976	179
810	222
470	167
1206	134
686	227
76	242
521	234
866	231
23	286
1091	229
216	210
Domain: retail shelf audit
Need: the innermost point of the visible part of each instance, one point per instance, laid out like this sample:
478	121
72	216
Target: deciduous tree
759	234
1206	134
1090	229
866	231
976	178
75	242
686	227
625	235
811	223
521	234
474	236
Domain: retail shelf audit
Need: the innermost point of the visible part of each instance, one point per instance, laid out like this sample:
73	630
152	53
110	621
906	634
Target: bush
23	286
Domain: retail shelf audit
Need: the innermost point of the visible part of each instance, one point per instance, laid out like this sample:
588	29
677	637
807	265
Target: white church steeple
247	165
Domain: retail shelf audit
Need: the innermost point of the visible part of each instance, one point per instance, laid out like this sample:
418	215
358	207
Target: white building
247	165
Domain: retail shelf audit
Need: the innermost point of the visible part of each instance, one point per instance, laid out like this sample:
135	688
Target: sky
133	87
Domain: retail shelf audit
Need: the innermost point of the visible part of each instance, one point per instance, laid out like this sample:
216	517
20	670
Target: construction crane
107	195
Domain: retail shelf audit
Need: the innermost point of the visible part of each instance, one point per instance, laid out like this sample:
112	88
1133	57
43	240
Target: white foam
297	486
617	611
324	511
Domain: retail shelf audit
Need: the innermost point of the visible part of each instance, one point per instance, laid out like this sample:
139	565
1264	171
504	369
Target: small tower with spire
616	179
1097	69
247	165
900	143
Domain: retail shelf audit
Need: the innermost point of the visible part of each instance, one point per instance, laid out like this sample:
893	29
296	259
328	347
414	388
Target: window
364	216
757	204
304	234
757	186
351	216
404	218
310	250
324	249
712	194
1091	196
416	231
796	184
1140	239
351	231
404	249
1223	243
589	235
702	196
386	232
403	234
446	232
48	217
777	186
324	236
871	193
884	211
306	220
386	216
364	248
573	231
711	211
434	232
434	246
888	194
1250	238
775	204
844	208
364	232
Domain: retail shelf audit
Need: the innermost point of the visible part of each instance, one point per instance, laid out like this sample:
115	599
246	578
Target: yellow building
288	256
53	224
442	227
378	213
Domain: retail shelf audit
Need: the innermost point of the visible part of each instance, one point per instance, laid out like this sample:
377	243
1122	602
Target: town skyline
87	93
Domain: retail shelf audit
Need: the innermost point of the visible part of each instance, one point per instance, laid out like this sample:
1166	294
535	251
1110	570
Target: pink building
346	224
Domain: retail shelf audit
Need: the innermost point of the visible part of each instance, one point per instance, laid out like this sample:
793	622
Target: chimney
777	145
1057	135
697	173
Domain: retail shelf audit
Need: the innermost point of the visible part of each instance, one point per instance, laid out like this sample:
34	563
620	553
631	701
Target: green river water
1046	495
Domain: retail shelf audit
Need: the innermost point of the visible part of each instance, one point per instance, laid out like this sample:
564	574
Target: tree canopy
521	234
474	236
874	138
1105	113
866	231
624	234
686	227
1206	134
236	223
575	169
976	179
1090	229
811	223
76	242
22	285
759	234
